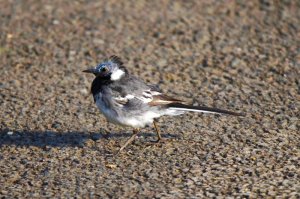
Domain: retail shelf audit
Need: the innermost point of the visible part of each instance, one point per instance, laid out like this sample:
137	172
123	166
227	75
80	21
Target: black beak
90	70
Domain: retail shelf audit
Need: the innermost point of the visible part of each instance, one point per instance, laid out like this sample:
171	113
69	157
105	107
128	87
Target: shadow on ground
61	139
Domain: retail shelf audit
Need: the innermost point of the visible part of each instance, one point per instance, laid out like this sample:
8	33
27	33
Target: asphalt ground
237	55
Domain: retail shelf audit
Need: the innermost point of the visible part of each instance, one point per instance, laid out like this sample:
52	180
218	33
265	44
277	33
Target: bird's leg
157	131
135	132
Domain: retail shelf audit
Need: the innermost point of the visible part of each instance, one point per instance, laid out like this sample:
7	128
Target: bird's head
111	69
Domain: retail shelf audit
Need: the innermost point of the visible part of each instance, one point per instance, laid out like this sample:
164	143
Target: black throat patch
98	84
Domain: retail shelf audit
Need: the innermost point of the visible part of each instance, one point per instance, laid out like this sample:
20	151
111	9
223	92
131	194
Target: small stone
98	41
56	22
111	166
9	36
72	52
162	63
84	91
56	125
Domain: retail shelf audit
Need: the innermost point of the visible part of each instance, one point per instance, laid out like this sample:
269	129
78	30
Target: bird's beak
90	70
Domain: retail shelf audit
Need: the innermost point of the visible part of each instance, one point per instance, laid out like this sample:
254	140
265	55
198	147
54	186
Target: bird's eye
104	69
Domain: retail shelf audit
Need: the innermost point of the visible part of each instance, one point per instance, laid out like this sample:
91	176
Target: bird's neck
98	84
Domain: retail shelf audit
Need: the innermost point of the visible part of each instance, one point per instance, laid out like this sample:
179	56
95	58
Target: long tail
203	109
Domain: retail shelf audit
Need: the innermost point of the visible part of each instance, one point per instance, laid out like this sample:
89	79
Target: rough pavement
238	56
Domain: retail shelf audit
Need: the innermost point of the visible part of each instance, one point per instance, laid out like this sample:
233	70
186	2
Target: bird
126	100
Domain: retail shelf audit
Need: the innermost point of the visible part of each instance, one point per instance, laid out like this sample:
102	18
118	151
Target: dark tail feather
204	109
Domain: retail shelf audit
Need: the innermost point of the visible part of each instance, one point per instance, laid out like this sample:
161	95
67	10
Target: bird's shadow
60	139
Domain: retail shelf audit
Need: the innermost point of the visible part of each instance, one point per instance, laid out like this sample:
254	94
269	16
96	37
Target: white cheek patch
117	74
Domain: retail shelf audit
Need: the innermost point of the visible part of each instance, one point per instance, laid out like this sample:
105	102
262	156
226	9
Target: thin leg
135	132
157	131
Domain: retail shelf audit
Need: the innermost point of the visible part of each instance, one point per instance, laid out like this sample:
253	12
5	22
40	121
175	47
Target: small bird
127	100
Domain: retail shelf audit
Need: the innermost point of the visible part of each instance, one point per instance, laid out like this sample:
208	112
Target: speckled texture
238	56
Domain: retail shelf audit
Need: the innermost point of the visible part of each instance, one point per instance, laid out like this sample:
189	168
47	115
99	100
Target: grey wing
130	85
129	103
133	93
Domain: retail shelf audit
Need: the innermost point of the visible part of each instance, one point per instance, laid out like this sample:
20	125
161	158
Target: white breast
139	121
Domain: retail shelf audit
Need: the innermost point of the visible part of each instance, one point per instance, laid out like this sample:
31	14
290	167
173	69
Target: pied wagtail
128	101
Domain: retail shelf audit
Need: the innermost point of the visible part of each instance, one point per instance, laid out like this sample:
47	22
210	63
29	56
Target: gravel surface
232	55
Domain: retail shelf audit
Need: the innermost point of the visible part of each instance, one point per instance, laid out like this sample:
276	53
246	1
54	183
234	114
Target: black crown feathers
115	59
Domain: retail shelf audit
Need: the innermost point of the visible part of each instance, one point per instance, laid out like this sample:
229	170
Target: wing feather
121	101
163	100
